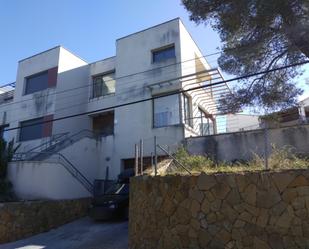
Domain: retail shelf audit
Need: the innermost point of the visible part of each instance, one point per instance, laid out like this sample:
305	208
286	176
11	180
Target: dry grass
283	158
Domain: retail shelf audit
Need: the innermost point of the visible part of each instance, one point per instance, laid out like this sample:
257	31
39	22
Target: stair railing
61	159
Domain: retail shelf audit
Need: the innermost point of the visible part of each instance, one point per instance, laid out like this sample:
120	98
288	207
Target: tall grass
283	158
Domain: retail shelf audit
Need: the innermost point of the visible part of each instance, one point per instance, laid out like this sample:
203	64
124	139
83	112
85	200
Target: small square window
36	83
163	54
104	85
31	129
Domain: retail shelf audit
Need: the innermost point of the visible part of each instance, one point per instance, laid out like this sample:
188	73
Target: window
206	124
166	111
187	107
41	81
104	124
35	129
28	131
36	83
104	84
163	54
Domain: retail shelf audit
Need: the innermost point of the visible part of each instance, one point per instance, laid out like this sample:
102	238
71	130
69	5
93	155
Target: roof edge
143	30
58	46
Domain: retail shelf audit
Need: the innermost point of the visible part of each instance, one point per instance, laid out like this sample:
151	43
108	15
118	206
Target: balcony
7	93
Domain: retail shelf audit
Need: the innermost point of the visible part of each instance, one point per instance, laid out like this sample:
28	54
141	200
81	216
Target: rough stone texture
241	210
23	219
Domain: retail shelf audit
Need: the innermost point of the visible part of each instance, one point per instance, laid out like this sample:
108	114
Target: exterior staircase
49	152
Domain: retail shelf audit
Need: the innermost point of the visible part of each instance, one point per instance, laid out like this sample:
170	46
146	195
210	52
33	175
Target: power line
130	91
161	96
133	74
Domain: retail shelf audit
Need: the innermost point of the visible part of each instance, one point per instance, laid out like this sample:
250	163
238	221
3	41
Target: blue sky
87	28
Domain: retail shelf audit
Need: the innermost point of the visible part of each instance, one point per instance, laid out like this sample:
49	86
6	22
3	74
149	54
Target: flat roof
177	18
58	46
45	51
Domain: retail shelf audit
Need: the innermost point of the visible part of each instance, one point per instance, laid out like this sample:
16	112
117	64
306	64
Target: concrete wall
258	210
85	156
33	105
24	219
242	145
135	122
44	180
72	74
49	179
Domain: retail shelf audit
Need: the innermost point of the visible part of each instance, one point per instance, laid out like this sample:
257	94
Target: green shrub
193	162
6	191
7	152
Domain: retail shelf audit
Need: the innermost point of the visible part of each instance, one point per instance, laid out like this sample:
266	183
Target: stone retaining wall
23	219
251	210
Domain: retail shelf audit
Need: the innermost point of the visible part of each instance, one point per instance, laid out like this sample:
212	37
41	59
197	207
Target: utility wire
133	74
161	96
139	89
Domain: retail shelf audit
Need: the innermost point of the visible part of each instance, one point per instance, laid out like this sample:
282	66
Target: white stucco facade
137	76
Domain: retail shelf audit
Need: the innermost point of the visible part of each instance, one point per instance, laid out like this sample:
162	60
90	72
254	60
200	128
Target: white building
242	122
56	84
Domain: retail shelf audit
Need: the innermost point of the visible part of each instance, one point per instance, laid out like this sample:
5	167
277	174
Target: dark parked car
114	202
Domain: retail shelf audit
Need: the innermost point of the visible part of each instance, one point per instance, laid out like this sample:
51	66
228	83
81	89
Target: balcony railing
6	97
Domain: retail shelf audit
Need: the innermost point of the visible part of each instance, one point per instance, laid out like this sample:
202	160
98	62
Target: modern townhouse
74	124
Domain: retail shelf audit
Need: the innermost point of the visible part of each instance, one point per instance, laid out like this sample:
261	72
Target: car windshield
118	189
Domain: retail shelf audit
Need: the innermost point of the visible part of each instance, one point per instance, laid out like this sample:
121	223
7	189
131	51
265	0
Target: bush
7	151
193	162
6	191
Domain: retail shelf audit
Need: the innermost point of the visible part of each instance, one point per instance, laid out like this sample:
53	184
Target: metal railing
62	140
57	158
6	96
54	139
174	158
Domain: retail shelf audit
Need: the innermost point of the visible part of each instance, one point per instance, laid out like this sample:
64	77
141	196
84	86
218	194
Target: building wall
72	74
135	122
44	180
137	78
236	210
33	105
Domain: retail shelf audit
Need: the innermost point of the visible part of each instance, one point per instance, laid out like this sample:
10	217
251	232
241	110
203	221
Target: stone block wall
262	210
23	219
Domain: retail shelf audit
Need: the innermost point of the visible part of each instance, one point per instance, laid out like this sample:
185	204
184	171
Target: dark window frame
94	93
108	130
33	76
188	120
163	50
29	123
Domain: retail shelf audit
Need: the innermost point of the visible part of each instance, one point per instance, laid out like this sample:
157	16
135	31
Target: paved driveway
80	234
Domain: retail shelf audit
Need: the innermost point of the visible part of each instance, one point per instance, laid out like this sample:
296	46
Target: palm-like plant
7	152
